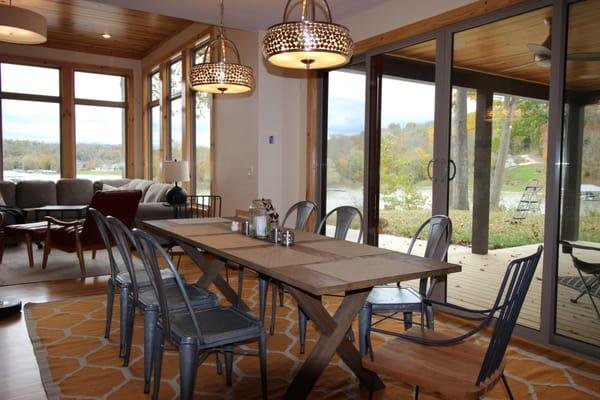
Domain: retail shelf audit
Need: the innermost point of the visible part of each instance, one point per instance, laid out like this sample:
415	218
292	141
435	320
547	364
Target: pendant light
221	76
21	26
308	43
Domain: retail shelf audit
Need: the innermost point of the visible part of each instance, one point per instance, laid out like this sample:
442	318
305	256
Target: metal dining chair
344	218
194	332
142	296
451	366
584	267
388	300
303	211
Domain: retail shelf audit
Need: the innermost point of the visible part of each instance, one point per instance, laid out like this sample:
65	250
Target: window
202	103
30	122
154	123
176	110
100	115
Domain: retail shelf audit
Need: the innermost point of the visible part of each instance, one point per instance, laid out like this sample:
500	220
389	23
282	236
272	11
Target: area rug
574	282
76	362
15	266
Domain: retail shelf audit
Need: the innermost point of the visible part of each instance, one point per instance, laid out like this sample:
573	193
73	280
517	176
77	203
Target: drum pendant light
221	76
308	43
21	26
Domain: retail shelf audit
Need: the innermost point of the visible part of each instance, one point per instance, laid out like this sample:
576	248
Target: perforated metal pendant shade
308	43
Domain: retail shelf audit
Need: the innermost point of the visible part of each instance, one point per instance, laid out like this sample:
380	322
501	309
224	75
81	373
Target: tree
459	191
498	177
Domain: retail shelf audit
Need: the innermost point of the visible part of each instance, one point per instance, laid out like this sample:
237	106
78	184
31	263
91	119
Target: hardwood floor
19	373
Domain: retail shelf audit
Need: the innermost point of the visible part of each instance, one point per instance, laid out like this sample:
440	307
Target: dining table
314	266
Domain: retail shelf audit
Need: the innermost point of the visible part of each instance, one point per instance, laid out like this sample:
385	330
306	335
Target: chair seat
393	298
586	267
448	370
123	278
199	297
219	326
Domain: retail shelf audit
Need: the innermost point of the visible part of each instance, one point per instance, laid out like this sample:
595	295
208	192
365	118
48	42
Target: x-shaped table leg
211	268
333	338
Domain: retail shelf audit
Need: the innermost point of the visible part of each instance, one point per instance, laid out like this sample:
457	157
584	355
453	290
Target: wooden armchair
81	235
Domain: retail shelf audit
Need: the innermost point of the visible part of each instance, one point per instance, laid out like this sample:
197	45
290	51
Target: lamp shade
176	171
21	26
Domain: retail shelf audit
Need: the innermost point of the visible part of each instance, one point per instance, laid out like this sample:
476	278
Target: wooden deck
477	286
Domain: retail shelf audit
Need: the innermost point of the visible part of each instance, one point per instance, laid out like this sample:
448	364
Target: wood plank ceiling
497	47
79	24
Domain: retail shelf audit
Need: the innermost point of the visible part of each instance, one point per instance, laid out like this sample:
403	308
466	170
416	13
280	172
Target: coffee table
29	233
79	209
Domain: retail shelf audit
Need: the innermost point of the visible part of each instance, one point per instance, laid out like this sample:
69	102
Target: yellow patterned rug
76	362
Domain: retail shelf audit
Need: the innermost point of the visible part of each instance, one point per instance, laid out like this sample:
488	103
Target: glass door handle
453	170
429	164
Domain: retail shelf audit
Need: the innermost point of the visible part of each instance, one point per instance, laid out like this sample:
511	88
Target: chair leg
150	318
228	366
429	317
188	360
302	322
263	285
79	251
218	363
124	305
29	246
505	382
365	315
157	361
129	333
416	393
280	289
274	288
93	254
262	352
1	245
47	248
408	320
110	299
227	272
240	290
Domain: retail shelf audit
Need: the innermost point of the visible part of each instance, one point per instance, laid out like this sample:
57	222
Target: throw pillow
2	202
110	188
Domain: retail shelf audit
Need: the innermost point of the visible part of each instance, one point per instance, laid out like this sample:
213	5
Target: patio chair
142	296
386	301
195	333
451	366
344	217
587	268
80	235
303	209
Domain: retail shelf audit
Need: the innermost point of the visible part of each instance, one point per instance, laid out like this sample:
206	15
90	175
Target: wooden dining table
315	265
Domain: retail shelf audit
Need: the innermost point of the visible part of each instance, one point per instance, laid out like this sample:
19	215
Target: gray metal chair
583	267
344	217
392	299
142	296
303	209
195	333
451	370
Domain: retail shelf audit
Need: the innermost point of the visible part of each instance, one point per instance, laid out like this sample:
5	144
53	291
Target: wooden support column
68	166
188	120
572	175
165	109
481	178
130	129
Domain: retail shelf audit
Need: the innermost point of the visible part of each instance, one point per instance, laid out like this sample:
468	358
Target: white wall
394	14
45	53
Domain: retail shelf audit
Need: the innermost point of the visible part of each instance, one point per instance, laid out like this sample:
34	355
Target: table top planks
315	263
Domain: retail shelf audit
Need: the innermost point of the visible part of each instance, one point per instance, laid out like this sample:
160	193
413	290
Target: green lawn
503	232
100	172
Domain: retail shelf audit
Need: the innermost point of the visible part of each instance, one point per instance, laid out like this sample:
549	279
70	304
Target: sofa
30	195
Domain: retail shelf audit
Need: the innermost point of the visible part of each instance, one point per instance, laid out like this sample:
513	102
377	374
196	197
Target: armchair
81	235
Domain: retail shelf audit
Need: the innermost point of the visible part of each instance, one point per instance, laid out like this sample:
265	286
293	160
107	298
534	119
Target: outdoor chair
344	217
303	209
386	301
80	235
195	333
452	366
589	283
141	295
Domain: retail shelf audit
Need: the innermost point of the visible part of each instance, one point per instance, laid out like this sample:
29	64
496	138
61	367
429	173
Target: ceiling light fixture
21	26
221	76
106	35
308	43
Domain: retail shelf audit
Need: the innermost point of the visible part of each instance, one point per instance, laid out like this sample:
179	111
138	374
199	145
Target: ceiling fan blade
539	49
584	56
518	67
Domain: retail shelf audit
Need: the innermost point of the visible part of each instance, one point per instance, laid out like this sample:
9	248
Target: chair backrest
509	301
102	225
200	206
150	250
121	204
123	238
438	238
304	210
345	215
